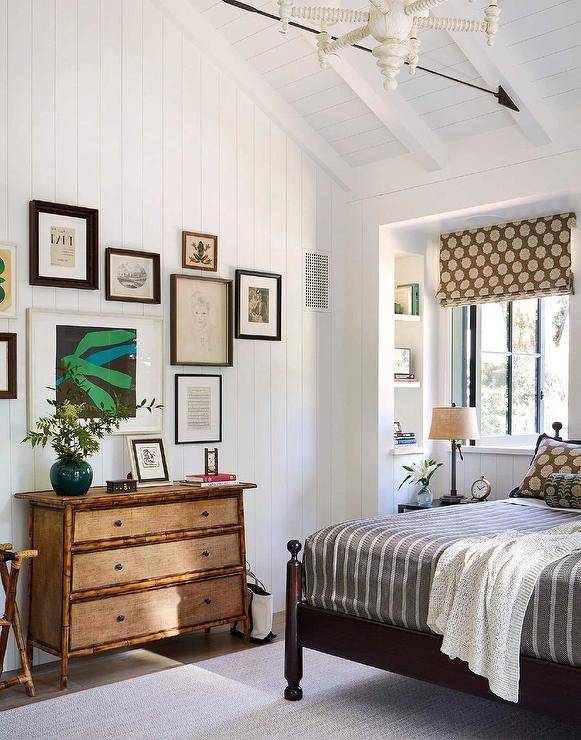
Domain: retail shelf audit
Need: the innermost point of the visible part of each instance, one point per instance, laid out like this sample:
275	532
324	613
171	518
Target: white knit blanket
480	593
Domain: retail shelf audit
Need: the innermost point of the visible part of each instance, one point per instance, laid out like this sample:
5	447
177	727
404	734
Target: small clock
480	489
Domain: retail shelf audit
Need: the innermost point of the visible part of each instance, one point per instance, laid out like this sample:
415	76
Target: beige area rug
240	696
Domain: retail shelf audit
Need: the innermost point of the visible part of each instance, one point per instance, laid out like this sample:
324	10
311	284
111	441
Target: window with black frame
511	361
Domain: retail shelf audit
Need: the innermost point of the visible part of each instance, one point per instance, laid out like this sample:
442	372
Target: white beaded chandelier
395	24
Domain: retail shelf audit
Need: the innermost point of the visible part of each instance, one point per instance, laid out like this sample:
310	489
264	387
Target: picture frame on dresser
8	366
198	409
8	280
118	355
148	459
63	245
132	276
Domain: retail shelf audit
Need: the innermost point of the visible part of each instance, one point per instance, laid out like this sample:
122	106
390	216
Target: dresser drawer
143	613
129	564
104	524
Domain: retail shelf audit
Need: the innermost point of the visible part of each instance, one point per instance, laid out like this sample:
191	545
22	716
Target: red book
218	478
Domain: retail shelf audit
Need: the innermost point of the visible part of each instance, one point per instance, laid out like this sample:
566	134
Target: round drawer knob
207	600
118	523
119	566
206	553
121	618
205	513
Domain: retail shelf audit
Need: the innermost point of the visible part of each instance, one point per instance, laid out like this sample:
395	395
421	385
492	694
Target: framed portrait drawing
119	356
148	460
201	321
198	409
8	280
199	251
8	366
132	276
258	305
64	246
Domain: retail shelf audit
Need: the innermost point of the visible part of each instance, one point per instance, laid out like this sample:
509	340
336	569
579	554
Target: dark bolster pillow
563	491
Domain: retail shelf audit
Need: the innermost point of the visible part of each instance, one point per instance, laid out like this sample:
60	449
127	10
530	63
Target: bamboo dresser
116	569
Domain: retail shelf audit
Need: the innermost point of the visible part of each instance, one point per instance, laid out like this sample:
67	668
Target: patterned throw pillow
563	490
552	456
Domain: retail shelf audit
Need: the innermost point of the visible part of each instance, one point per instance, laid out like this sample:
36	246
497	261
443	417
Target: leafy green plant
420	472
72	434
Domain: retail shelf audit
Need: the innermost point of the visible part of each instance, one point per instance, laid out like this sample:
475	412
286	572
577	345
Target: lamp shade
454	422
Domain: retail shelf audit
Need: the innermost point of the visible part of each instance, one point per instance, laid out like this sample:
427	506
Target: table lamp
454	423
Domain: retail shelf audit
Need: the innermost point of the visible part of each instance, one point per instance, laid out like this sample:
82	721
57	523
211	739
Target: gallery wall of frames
136	179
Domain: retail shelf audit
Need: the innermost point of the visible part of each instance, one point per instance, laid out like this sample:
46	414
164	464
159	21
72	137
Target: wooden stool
11	616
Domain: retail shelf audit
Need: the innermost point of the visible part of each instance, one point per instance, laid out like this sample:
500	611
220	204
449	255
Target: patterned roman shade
523	259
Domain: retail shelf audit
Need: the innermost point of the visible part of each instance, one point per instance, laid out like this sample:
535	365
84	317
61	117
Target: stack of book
210	481
404	438
404	378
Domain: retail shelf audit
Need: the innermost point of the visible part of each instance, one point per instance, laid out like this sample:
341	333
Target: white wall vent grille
316	281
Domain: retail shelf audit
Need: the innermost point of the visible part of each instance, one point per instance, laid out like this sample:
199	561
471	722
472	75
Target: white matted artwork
62	242
201	327
148	460
258	305
8	280
117	355
198	409
4	379
132	276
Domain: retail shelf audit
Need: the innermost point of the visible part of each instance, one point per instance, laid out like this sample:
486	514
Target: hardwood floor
118	665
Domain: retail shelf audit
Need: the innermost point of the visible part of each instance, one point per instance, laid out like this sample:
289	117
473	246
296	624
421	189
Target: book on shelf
212	484
403	435
407	441
404	376
217	477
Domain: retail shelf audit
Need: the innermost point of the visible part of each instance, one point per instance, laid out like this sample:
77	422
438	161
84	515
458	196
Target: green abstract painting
104	360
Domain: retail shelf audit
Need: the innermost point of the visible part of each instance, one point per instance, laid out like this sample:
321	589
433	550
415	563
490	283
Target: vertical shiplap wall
106	103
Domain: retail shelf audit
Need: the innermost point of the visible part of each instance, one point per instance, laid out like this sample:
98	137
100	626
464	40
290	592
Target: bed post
557	426
293	652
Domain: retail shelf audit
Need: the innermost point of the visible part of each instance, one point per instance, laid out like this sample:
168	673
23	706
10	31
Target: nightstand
437	503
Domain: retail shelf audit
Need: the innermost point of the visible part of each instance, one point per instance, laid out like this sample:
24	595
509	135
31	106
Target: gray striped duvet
381	569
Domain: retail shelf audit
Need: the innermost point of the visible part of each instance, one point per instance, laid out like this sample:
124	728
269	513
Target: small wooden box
123	485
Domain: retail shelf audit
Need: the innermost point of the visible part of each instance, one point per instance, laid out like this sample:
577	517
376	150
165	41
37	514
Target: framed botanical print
8	280
199	251
201	320
8	366
148	460
64	246
132	276
119	356
198	409
402	361
258	305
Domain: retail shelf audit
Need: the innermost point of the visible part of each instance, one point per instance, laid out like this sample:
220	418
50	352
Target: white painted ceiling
542	38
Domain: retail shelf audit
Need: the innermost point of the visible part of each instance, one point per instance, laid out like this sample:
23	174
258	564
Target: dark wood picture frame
185	235
153	256
208	470
12	367
173	321
152	440
91	216
256	273
176	400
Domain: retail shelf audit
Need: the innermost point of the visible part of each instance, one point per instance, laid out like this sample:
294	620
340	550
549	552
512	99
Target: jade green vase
71	479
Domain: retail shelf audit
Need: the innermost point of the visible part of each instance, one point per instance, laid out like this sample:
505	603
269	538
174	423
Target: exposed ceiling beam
392	109
497	66
224	56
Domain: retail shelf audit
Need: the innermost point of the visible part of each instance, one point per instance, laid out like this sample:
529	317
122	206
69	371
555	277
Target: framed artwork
118	355
132	276
198	409
407	299
258	305
201	320
64	246
8	366
402	361
199	251
148	460
8	280
211	466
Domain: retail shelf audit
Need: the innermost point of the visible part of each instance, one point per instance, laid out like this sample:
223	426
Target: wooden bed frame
549	688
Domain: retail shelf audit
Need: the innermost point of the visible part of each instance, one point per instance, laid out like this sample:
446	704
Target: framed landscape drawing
201	323
117	355
8	280
8	366
198	409
258	305
63	246
132	276
148	460
199	251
